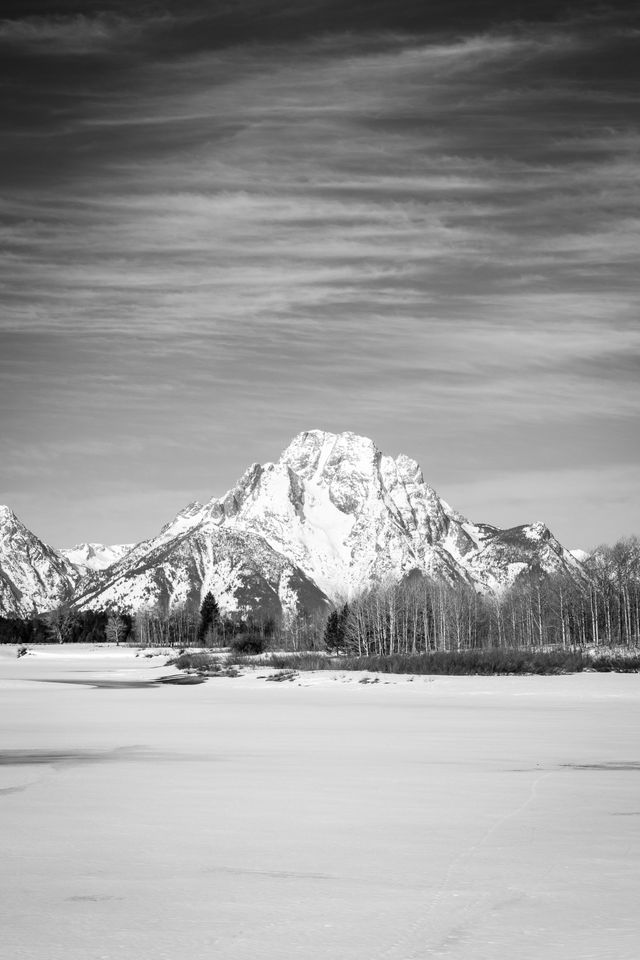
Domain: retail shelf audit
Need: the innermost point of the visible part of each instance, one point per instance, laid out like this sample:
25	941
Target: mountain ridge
33	576
331	517
86	557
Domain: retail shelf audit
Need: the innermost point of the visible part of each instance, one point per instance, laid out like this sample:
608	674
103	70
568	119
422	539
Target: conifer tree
209	617
331	629
335	629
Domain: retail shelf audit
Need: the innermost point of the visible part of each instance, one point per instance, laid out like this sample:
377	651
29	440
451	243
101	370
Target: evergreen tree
331	631
335	628
209	617
343	618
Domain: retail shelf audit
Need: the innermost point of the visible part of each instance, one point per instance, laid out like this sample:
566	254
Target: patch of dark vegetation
466	662
250	643
227	672
283	676
302	661
195	660
614	663
15	630
202	665
67	626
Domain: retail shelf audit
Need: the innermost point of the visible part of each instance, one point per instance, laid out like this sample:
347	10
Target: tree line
539	611
181	626
90	626
417	615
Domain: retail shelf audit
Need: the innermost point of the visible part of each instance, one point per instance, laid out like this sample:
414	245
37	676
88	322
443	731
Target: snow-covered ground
241	819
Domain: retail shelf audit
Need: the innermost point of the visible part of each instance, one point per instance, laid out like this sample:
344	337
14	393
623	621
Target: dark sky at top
222	223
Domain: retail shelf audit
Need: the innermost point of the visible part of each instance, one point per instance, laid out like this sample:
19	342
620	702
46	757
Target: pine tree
209	617
331	630
343	617
335	629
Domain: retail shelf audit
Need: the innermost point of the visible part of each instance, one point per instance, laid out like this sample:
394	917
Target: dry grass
466	662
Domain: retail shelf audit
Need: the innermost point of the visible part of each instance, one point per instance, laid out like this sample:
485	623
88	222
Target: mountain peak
33	576
315	454
332	517
537	531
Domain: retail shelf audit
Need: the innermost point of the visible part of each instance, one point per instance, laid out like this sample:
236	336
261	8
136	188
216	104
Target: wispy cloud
78	35
310	219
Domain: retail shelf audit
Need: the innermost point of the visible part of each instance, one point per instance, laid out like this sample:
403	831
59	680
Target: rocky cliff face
331	517
344	513
351	517
33	577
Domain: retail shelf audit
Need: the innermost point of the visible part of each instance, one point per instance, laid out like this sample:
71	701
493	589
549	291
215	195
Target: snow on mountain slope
335	516
33	577
504	554
330	518
580	555
241	569
86	557
351	517
344	513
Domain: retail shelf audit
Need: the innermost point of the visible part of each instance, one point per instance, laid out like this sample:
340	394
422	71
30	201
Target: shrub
194	661
475	662
615	663
249	644
302	661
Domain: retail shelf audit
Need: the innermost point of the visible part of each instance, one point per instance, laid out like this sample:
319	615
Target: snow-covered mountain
186	560
350	517
340	516
33	576
87	557
331	517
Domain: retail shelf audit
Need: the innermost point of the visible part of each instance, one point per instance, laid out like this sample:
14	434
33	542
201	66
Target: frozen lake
470	818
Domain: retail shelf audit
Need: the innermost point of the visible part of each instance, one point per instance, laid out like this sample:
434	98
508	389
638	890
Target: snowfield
468	818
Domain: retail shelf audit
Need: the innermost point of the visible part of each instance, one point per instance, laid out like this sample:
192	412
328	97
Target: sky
224	223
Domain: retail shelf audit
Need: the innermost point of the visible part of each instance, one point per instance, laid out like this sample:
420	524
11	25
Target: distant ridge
87	557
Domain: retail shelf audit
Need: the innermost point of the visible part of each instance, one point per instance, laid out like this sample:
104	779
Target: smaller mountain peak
537	531
10	521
